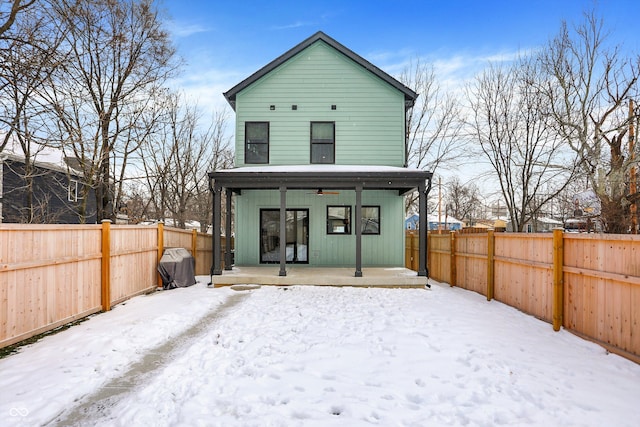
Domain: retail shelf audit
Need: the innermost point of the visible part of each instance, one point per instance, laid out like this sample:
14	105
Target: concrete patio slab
397	277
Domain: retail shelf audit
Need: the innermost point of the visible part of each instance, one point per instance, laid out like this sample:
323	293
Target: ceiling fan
322	192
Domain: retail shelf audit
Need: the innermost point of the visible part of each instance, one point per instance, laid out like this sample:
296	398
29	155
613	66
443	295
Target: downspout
407	106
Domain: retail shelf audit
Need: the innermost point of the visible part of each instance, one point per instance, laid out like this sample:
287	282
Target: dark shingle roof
409	95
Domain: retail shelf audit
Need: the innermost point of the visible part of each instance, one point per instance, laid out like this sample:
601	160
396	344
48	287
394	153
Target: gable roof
409	95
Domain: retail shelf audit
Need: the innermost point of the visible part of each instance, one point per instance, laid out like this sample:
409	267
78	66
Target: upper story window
72	191
323	138
256	142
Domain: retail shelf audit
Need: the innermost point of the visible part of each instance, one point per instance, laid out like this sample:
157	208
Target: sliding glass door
297	236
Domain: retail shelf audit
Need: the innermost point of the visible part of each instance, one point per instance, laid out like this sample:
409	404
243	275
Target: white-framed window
72	192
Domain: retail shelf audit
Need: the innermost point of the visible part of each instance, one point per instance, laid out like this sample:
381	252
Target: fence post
491	248
452	267
194	248
105	294
558	279
160	250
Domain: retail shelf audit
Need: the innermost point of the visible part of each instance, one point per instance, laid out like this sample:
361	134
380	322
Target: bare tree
27	61
463	201
9	11
118	55
588	87
514	133
433	123
135	201
221	157
139	121
26	54
178	158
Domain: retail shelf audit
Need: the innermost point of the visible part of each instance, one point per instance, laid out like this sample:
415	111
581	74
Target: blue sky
222	42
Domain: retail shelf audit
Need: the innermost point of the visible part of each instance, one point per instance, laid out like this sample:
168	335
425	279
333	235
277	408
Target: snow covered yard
316	356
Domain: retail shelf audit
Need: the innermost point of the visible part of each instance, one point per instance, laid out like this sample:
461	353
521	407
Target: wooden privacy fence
586	283
54	274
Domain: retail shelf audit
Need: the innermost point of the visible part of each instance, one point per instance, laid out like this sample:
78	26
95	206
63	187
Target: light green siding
385	249
369	114
369	118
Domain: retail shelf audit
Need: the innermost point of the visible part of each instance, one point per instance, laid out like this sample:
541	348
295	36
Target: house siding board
369	116
385	249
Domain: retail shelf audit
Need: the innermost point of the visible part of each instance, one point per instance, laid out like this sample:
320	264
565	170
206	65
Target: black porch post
283	231
422	231
213	214
357	224
227	233
217	241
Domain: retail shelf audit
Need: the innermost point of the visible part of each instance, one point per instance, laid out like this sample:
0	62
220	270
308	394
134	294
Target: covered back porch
358	179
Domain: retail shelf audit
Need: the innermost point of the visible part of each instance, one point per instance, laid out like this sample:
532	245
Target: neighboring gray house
55	196
540	225
320	157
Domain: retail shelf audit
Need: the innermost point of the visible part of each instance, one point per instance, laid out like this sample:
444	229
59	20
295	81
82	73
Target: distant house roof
434	218
54	166
549	221
409	95
43	157
444	218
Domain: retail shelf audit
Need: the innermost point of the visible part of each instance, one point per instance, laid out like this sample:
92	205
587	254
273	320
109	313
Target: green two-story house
320	156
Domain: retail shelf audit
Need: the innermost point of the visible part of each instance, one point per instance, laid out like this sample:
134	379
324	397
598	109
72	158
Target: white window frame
72	191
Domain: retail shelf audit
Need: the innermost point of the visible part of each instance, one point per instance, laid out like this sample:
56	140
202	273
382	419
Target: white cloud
181	30
381	57
205	87
297	24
